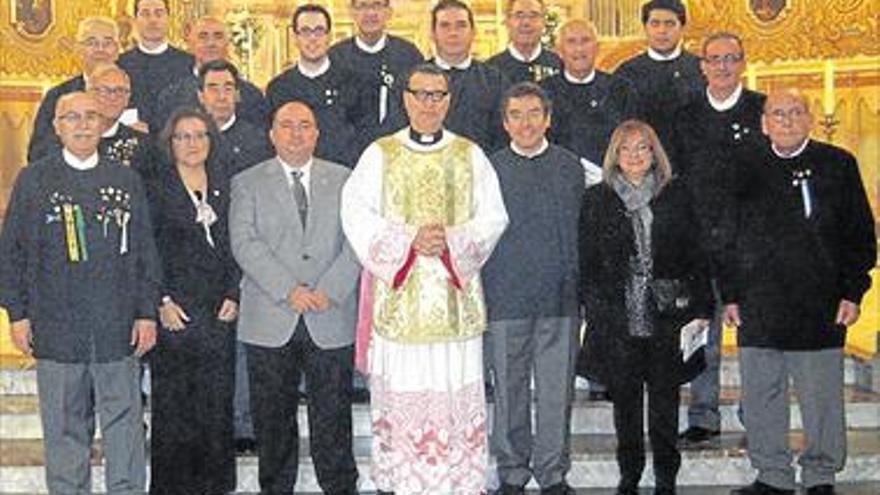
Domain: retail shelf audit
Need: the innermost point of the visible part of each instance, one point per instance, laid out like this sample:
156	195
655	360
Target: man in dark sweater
79	279
666	76
533	313
475	87
797	269
525	59
97	41
381	61
709	134
588	103
335	94
244	144
153	64
207	41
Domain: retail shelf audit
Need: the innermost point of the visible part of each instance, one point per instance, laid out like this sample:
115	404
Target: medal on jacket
802	180
70	233
80	222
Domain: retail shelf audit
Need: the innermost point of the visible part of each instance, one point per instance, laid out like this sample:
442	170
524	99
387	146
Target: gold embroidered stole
420	188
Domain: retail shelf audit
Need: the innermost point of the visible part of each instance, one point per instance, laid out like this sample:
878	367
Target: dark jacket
81	309
788	272
606	244
194	273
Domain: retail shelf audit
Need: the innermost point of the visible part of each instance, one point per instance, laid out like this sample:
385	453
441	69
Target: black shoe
507	489
626	491
245	446
821	490
758	488
664	490
557	489
698	434
381	492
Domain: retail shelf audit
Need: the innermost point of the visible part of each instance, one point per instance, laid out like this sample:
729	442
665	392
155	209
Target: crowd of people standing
468	235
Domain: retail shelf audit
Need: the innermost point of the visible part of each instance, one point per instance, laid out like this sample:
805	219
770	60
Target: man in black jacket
798	266
80	280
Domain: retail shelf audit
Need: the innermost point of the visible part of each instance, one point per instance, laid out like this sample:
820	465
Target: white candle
828	88
751	77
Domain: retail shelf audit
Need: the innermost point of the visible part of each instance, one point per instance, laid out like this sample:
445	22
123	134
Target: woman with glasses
643	280
193	364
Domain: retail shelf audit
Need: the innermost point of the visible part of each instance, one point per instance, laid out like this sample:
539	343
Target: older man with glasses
80	280
525	59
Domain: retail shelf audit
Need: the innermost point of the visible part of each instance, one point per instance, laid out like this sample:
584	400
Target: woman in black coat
643	278
193	365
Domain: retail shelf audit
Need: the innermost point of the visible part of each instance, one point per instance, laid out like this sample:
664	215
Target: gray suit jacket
276	255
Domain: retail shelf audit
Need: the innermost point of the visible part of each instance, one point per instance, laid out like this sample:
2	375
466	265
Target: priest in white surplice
423	211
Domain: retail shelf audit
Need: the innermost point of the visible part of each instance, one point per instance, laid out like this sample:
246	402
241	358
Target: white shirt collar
515	53
660	57
306	170
587	80
159	50
196	70
519	151
228	124
463	65
111	131
800	149
727	103
320	71
403	136
87	164
376	48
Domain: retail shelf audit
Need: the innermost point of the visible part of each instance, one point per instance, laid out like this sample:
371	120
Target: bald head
294	133
787	120
78	123
207	40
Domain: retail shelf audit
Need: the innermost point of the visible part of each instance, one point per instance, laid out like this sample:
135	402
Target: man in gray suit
298	304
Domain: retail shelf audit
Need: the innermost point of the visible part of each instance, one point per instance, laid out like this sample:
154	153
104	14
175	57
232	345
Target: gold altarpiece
828	48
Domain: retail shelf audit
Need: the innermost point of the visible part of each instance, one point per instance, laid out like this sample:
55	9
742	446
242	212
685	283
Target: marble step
593	464
20	378
19	414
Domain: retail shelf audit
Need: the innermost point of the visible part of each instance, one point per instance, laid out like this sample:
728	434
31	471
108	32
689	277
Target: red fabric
446	258
364	329
400	276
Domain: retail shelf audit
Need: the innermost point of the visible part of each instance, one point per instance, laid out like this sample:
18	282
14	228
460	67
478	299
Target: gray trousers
70	396
545	348
818	379
705	388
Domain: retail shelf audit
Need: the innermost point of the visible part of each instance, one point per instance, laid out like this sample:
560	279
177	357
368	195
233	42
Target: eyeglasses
779	115
312	32
95	43
529	15
370	7
423	95
726	59
185	137
76	118
637	150
116	92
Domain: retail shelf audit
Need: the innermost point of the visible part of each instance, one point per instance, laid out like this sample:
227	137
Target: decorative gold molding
50	56
803	29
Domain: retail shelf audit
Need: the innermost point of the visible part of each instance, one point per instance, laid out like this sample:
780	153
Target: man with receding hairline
207	40
80	281
795	272
525	59
298	304
97	41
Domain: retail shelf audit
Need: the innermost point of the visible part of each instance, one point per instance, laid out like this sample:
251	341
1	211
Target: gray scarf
637	201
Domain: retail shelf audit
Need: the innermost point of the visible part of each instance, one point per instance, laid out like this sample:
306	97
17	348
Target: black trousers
647	365
274	381
193	382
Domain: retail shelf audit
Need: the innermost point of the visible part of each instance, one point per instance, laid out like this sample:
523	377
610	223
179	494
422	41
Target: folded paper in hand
693	336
